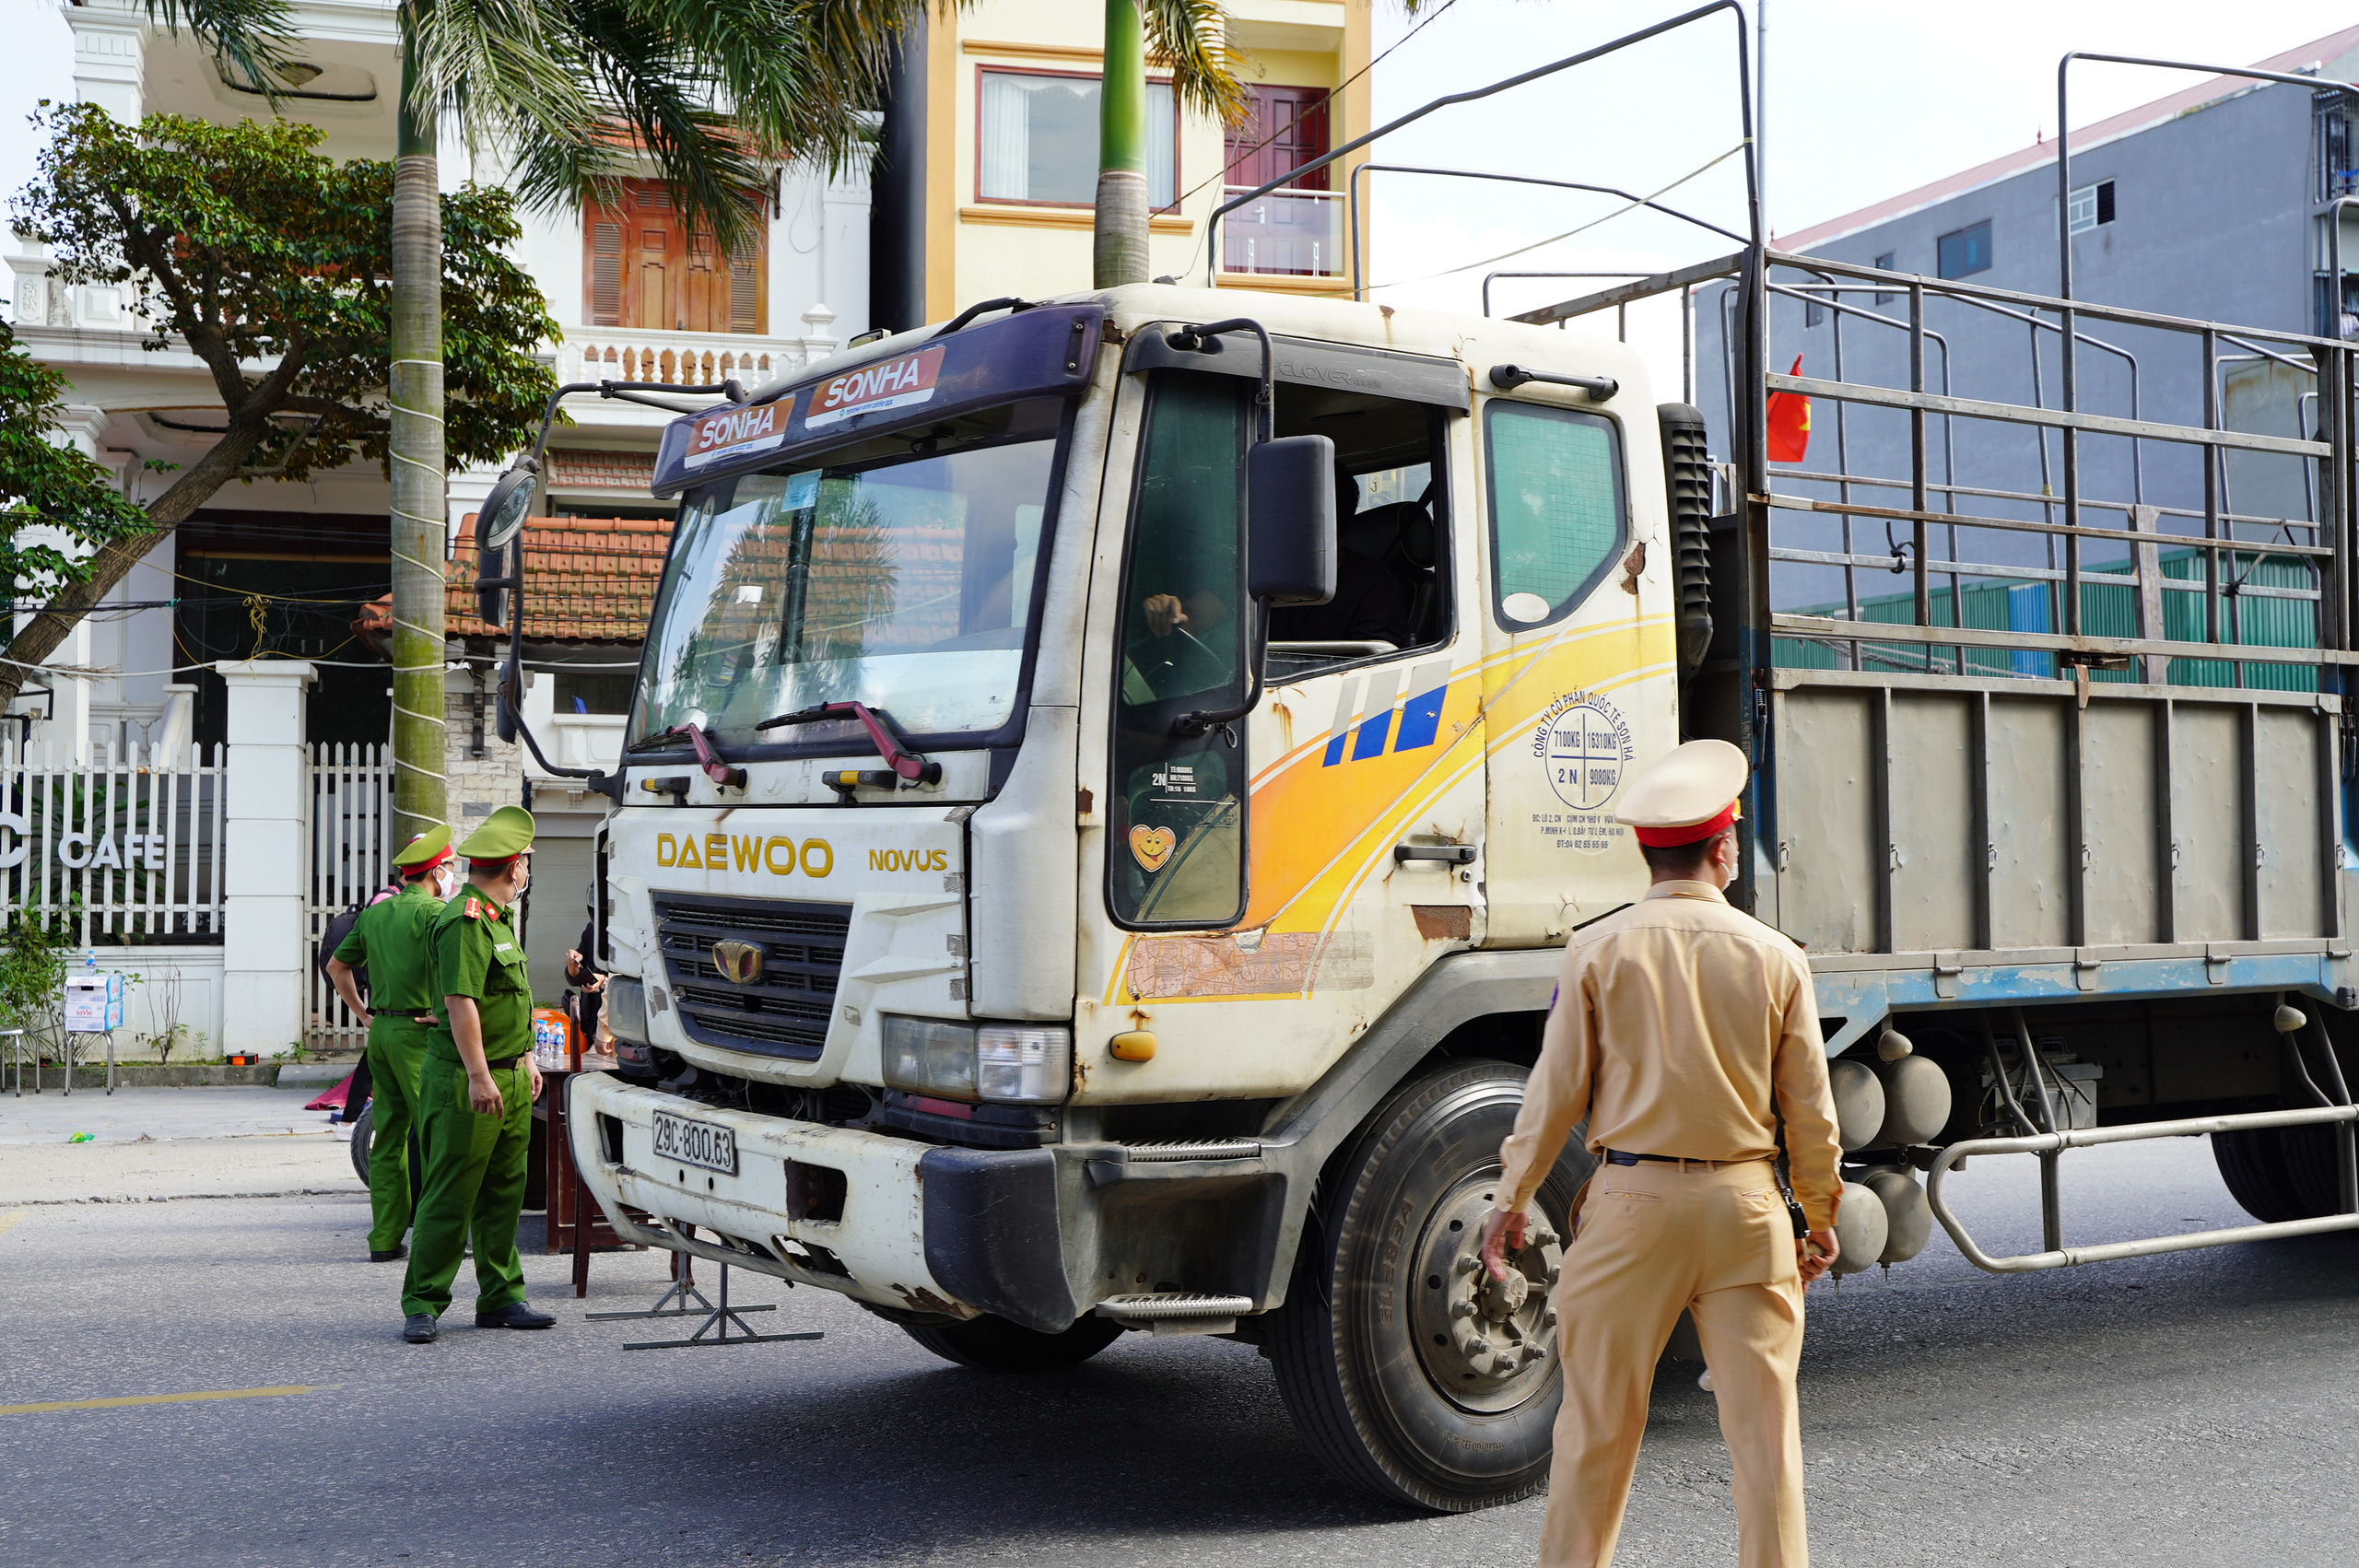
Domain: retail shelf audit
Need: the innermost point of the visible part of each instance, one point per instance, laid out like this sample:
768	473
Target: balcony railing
690	358
1287	233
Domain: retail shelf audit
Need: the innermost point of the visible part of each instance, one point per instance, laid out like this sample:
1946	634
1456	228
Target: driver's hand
1163	614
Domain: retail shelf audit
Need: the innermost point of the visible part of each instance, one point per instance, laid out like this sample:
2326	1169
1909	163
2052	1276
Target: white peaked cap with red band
1687	794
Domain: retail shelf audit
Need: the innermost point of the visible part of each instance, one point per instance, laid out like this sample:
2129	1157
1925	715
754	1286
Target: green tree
43	482
272	264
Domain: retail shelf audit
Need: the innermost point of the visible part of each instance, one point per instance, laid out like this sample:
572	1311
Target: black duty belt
1616	1157
433	1014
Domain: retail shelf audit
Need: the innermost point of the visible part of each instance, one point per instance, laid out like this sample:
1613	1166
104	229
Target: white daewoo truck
1032	916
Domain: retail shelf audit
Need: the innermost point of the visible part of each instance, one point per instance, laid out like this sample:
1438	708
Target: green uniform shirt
476	954
390	942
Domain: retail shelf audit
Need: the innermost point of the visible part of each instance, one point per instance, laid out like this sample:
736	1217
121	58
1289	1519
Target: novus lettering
909	860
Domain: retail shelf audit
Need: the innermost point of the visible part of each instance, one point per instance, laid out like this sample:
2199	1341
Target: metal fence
351	816
125	849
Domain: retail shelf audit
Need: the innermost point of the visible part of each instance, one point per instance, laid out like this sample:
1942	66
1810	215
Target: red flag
1788	422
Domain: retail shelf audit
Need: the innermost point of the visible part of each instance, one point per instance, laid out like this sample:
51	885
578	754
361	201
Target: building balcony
1286	233
586	740
691	358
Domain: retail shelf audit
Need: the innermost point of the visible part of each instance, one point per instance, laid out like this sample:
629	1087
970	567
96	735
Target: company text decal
890	383
735	431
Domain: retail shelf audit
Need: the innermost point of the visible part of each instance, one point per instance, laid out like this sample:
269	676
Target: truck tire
1436	1405
993	1344
2279	1174
363	1134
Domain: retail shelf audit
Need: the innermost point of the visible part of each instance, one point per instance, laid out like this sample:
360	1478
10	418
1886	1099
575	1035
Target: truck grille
783	1011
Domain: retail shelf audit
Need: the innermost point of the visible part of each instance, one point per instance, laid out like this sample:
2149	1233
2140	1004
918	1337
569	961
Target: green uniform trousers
474	1186
396	1052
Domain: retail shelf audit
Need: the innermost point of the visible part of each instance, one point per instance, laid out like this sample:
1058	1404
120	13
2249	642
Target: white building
271	569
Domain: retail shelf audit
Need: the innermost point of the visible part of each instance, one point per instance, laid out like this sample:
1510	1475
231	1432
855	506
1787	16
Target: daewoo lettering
776	854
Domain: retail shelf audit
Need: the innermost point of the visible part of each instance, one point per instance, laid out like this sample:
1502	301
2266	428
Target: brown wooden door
1287	129
642	268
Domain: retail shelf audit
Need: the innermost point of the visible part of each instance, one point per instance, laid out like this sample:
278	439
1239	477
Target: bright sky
1865	99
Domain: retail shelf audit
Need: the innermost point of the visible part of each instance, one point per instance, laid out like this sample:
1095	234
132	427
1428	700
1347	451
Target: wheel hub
1487	1343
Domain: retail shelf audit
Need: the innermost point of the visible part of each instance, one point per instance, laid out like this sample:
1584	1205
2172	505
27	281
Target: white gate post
265	950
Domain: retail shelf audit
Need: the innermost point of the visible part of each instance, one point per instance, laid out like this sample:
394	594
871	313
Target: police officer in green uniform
476	1091
402	1013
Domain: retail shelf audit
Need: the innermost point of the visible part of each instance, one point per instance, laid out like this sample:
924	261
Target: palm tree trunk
1121	230
416	448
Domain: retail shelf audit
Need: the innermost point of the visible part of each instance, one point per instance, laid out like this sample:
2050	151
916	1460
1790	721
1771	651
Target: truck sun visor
1047	351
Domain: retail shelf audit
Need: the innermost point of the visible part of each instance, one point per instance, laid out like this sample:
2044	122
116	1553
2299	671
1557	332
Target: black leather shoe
516	1315
419	1328
395	1255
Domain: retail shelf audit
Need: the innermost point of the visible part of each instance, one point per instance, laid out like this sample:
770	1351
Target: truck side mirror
1290	520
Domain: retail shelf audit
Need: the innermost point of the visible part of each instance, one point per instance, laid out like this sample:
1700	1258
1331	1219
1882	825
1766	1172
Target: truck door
1580	684
1355	792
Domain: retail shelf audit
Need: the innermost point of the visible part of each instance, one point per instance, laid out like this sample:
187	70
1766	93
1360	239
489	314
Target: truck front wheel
993	1344
1409	1373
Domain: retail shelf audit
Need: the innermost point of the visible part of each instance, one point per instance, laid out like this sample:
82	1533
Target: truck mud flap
993	1238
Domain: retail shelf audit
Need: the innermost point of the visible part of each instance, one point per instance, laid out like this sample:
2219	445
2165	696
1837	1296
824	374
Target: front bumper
888	1220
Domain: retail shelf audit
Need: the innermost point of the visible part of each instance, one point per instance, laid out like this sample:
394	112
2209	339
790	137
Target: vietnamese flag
1788	422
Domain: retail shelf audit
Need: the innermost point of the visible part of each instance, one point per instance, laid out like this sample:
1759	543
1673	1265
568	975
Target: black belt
409	1012
1616	1157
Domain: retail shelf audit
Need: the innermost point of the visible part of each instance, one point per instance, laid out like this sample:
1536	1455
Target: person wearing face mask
476	1092
389	941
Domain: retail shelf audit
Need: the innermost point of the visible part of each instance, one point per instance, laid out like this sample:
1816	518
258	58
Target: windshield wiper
709	760
908	769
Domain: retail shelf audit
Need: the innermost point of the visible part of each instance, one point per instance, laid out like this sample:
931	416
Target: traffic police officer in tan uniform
402	1012
476	1091
1684	1033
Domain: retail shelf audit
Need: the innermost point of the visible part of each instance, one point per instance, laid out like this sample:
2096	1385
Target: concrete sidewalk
158	1143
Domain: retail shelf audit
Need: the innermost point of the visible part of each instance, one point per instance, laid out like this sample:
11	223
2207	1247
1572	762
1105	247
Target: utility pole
1121	250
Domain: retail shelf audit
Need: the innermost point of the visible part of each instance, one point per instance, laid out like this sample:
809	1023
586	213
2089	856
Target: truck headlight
1025	1064
626	1009
930	1056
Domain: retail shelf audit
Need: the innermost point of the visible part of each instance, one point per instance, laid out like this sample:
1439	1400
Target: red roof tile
586	580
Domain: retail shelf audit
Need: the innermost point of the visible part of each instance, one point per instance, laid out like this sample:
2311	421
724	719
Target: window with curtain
1039	137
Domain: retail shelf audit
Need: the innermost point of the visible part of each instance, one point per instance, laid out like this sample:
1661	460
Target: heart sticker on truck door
1151	846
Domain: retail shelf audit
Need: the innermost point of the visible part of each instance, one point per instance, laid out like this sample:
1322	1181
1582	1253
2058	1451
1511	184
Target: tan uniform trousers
1656	1240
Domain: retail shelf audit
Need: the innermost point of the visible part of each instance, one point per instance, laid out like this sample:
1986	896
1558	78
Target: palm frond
1191	38
507	72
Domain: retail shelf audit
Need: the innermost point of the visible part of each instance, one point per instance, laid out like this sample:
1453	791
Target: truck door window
1391	566
1557	508
1176	853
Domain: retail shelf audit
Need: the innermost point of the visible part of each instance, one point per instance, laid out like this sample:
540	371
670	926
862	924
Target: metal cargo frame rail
2043	1138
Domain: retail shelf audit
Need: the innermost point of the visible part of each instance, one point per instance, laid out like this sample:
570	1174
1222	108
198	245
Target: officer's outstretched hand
1816	1253
1500	1231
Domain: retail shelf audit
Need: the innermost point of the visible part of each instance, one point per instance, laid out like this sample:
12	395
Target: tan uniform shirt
1682	1026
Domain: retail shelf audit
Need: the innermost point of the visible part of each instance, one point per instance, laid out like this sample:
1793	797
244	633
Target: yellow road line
8	1221
164	1398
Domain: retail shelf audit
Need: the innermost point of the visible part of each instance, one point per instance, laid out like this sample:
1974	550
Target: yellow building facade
992	155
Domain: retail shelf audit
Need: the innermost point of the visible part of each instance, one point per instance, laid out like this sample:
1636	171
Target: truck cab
1024	924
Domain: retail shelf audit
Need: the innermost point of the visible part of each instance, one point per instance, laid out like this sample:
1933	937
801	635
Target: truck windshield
896	570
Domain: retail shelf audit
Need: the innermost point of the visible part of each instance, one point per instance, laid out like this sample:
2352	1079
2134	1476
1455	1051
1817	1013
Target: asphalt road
2194	1409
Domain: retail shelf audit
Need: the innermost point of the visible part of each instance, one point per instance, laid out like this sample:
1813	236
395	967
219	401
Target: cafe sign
84	851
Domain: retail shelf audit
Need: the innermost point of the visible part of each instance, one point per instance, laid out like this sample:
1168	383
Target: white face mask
446	882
